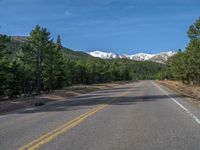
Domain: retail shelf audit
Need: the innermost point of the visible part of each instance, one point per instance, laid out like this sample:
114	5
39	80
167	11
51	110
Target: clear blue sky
120	26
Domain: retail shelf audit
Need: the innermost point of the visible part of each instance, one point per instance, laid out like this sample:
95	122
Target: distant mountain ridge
159	57
16	41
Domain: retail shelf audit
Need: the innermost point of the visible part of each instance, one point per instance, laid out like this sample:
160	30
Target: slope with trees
36	64
185	65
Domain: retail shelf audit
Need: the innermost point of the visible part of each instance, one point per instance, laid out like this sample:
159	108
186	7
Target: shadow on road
102	97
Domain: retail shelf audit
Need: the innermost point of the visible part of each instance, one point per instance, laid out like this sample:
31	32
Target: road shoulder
58	95
191	93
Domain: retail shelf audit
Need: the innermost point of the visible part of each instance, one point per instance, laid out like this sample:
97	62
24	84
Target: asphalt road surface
136	116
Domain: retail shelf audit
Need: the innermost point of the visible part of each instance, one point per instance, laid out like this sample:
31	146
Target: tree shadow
83	102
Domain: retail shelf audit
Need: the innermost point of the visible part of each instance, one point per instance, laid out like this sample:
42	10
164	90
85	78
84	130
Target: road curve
137	116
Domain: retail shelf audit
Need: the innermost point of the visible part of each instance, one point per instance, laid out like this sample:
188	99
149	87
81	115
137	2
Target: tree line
185	65
41	64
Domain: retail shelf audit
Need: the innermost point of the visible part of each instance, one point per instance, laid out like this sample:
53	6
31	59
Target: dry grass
188	90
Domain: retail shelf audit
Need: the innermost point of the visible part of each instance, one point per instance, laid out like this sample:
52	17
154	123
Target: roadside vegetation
185	65
38	64
184	89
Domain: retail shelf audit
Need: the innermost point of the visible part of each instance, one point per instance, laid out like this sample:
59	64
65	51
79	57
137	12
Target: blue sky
120	26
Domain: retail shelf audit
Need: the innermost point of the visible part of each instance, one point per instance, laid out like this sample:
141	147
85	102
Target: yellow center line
37	143
27	146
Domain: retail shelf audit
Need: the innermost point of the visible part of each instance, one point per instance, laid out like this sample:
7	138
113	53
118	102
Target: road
136	116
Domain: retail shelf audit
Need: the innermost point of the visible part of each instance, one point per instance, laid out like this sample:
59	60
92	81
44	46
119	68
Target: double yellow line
36	144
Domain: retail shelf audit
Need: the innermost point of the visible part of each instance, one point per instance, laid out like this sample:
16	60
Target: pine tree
4	64
38	45
193	51
60	65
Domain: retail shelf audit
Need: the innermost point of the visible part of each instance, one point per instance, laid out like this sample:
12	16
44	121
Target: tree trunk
38	72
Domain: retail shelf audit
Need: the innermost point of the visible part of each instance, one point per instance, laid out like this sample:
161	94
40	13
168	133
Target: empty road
137	116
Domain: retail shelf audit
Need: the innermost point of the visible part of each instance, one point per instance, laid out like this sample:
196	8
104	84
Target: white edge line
179	104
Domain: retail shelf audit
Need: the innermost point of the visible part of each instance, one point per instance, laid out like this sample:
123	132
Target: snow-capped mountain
160	57
141	56
104	55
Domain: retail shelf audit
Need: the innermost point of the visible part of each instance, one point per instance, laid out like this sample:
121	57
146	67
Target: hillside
16	42
139	70
60	67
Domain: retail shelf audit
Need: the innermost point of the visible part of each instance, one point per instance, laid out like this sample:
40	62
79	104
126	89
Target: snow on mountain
141	56
160	57
104	55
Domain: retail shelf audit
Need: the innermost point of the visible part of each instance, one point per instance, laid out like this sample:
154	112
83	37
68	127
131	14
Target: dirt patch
188	90
57	95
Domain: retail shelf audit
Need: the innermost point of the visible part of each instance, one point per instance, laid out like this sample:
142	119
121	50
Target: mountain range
159	57
16	41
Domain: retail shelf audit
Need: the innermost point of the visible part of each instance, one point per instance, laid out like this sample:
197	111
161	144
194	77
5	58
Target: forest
185	65
40	64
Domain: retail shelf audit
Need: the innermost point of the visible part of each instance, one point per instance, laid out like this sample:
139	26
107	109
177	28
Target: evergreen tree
38	45
193	51
4	64
185	65
60	65
39	64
